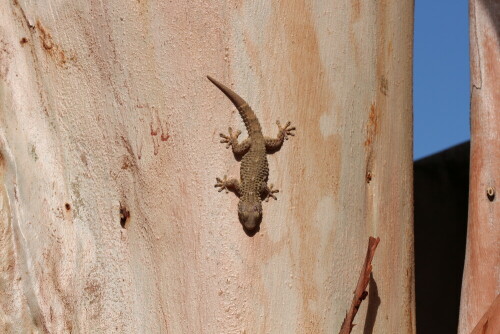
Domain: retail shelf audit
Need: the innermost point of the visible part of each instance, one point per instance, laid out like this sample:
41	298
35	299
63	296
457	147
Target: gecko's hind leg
232	185
268	192
274	144
232	140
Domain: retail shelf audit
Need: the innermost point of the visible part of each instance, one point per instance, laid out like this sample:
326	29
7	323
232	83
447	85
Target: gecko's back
254	169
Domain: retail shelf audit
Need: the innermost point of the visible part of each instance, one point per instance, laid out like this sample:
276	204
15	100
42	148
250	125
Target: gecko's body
252	187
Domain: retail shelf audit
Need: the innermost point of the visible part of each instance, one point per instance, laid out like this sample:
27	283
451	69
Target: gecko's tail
247	114
235	98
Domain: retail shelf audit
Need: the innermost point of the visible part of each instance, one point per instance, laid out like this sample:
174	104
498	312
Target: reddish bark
480	282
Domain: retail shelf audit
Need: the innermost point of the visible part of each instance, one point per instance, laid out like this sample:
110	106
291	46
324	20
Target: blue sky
441	75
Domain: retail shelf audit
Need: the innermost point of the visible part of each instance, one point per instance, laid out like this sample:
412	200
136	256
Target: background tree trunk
481	280
109	135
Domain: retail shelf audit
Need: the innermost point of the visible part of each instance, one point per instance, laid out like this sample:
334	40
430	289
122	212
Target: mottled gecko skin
252	189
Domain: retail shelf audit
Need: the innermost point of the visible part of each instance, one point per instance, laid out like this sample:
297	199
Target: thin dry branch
360	293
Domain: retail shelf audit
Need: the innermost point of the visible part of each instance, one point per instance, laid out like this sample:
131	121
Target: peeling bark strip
360	293
490	322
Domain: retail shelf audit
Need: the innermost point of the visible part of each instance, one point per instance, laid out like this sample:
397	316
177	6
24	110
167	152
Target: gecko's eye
250	214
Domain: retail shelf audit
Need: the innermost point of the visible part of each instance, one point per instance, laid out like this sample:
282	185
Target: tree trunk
481	279
109	134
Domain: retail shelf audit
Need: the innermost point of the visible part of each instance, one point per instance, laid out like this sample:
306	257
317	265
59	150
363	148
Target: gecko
252	188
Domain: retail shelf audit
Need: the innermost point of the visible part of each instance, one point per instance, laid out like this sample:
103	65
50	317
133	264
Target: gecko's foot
232	185
287	130
222	184
269	193
232	139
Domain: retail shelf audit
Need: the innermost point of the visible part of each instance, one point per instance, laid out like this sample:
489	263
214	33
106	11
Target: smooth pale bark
481	279
109	134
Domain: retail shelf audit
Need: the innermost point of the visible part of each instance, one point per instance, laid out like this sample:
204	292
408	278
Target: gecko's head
250	214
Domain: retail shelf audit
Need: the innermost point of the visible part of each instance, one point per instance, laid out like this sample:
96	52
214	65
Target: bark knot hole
368	177
124	216
490	193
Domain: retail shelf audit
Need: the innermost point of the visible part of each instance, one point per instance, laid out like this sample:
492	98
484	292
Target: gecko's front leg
232	140
232	185
268	192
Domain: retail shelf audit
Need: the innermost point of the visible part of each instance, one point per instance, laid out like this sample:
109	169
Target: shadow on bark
373	305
